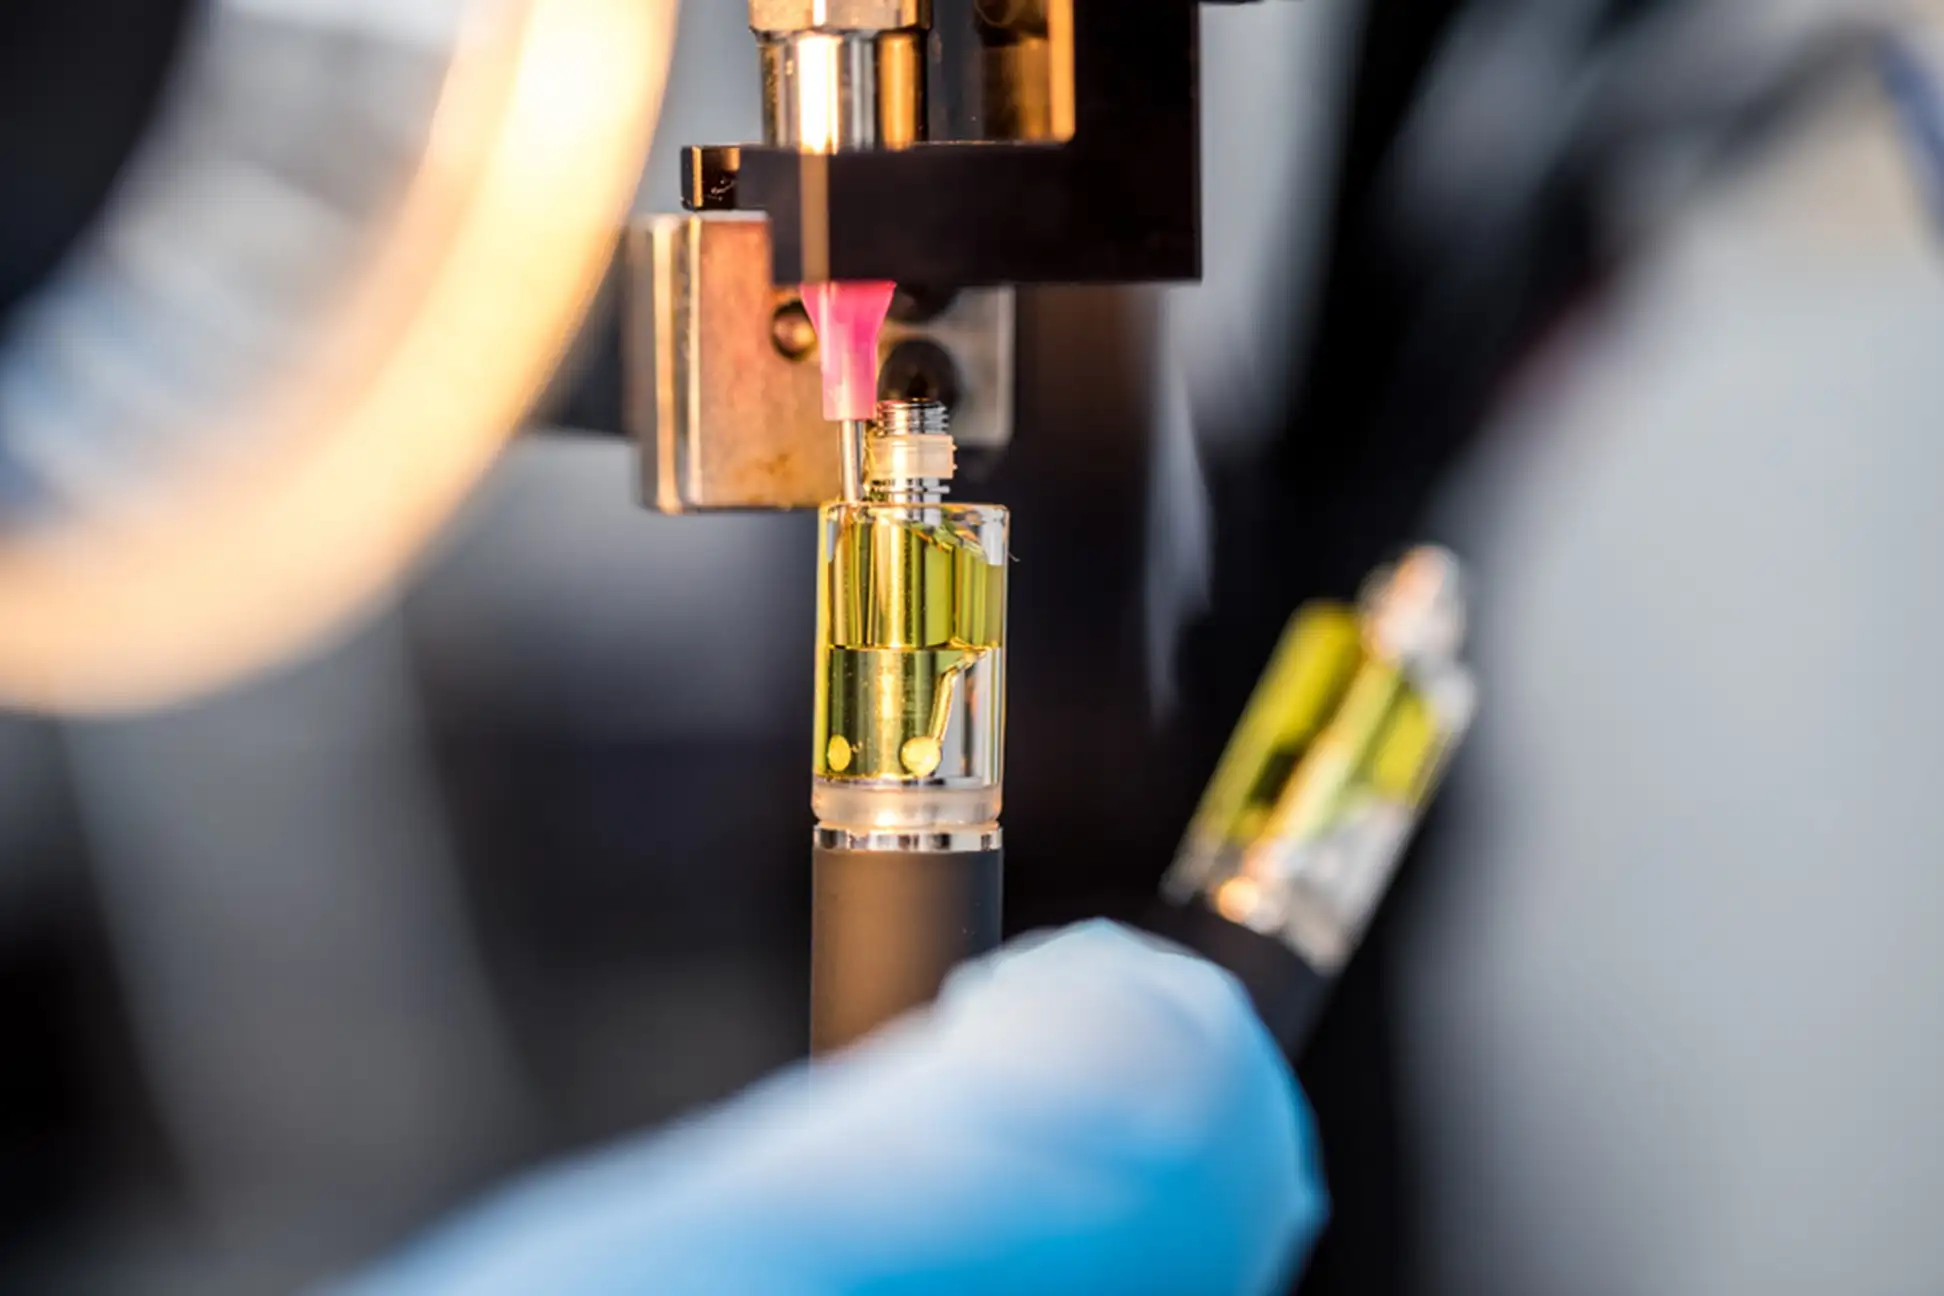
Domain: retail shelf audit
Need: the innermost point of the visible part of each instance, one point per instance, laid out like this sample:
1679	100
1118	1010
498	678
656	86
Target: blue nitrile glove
1089	1113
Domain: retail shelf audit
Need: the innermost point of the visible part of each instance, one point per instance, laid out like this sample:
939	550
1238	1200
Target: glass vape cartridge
1302	827
910	730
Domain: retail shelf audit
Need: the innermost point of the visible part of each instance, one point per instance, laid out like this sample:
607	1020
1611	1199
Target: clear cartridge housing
1336	757
911	652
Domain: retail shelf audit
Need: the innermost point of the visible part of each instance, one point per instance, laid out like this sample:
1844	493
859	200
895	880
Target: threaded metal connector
912	418
910	453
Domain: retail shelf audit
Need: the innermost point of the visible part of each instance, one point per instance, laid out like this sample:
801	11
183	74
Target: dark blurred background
1636	303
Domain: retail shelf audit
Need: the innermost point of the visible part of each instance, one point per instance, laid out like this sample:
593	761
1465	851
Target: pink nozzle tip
848	317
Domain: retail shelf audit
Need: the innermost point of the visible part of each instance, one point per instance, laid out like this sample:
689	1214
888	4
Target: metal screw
791	331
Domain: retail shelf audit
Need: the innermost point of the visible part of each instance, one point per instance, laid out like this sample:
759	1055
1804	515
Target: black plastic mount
1118	203
1288	993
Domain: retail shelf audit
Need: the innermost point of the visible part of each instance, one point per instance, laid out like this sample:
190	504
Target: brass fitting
785	17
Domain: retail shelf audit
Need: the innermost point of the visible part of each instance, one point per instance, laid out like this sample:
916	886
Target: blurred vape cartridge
910	730
1333	764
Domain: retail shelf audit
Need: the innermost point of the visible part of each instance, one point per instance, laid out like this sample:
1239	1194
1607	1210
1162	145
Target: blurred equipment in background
312	258
1328	775
309	299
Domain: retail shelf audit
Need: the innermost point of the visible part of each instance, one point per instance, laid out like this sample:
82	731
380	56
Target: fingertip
1099	965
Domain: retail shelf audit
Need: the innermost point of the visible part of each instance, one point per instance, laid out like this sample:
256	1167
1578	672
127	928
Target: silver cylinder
820	91
840	91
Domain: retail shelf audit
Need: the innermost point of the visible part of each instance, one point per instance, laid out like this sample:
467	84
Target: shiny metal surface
727	419
911	456
911	843
820	91
724	419
833	92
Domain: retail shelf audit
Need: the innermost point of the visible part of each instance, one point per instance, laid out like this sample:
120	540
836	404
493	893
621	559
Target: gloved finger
1092	1114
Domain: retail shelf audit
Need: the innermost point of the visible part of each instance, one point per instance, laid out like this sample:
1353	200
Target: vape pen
1300	831
910	731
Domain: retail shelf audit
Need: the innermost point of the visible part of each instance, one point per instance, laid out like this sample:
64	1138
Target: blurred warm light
1237	898
462	317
